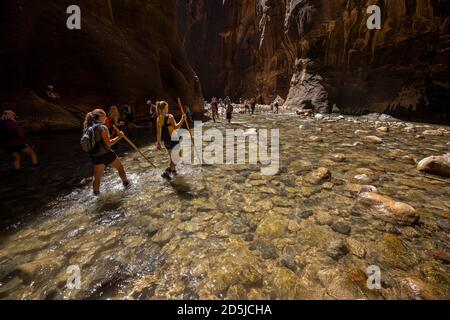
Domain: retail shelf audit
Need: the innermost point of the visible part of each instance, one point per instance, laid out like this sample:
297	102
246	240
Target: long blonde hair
93	116
114	114
160	106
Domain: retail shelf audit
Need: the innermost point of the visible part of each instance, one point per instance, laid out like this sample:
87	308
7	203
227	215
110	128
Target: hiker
277	107
253	105
166	128
272	107
153	113
14	141
52	96
229	112
128	116
246	106
112	121
97	142
214	108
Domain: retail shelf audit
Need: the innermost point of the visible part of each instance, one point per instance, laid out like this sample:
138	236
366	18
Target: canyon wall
322	51
126	51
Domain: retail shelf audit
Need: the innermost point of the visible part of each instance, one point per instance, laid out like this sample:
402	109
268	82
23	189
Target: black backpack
89	139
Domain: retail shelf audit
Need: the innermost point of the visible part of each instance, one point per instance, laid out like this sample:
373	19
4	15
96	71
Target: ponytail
92	116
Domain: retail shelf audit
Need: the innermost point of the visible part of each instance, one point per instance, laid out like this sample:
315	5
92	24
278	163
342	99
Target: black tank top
165	130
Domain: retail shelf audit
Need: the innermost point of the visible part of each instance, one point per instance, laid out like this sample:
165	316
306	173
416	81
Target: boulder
390	210
438	165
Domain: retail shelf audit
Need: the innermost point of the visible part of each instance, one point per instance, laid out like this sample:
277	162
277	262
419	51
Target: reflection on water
227	232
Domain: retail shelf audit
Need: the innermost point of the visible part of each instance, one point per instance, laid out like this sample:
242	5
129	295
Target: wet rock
237	266
319	116
272	227
361	132
293	226
186	216
356	247
306	214
238	229
362	179
391	210
393	252
10	286
328	186
383	129
444	224
416	289
433	133
318	176
410	130
324	218
410	232
286	285
163	236
440	255
237	292
288	259
358	188
338	157
337	249
436	165
268	250
373	139
341	227
315	139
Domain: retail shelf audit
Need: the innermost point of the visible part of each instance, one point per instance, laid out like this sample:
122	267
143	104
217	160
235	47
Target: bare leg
123	175
173	167
16	160
98	174
32	155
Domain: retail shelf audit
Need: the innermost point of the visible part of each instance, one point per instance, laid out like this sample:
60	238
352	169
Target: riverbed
228	232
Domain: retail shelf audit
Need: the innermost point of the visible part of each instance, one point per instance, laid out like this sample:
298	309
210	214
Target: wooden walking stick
189	129
136	148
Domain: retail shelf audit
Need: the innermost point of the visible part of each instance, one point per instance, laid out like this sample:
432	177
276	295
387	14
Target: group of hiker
226	105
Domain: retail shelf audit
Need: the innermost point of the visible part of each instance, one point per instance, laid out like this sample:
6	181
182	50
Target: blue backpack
89	139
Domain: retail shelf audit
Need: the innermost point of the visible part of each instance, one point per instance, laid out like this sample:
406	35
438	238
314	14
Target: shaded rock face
125	51
322	50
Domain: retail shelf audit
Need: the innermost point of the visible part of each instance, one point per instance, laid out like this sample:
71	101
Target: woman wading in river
166	127
101	153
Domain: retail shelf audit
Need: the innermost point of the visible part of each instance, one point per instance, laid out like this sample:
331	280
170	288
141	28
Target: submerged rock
373	139
391	210
436	165
337	249
318	176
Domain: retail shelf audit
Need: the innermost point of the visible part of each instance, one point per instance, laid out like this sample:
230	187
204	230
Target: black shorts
105	159
14	149
229	116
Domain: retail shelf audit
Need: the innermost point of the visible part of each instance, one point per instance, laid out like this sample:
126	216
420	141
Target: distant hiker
153	113
277	107
113	120
128	116
247	106
13	139
272	107
229	112
97	141
214	108
166	128
253	105
52	96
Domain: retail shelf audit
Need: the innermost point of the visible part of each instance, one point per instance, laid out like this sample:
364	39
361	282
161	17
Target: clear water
225	232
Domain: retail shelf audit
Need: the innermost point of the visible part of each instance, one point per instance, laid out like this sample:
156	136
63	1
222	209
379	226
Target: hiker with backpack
97	141
14	141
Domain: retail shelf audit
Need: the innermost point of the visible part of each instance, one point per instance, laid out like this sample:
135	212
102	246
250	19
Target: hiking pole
135	147
189	129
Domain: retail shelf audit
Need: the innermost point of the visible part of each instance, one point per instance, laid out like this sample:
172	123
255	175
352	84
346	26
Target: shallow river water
226	232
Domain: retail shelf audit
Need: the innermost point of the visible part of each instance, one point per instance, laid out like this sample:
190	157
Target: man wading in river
97	142
166	128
